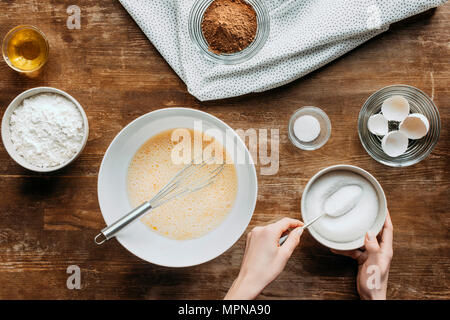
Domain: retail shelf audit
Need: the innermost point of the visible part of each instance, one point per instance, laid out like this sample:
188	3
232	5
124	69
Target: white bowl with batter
138	238
346	232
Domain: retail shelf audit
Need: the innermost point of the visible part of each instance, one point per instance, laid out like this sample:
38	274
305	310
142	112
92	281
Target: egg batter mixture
193	215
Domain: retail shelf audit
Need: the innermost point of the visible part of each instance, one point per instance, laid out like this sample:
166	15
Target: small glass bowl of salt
309	128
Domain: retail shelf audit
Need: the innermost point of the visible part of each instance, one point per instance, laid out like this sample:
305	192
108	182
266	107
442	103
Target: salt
306	128
47	130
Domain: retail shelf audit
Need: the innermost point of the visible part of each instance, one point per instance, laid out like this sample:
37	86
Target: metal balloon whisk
191	178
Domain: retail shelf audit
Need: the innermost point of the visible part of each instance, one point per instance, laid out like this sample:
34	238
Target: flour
47	130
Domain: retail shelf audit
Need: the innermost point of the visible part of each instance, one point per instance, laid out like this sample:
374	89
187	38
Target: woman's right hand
373	263
264	258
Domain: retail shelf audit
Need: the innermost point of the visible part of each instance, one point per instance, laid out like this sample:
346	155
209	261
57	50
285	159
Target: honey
25	49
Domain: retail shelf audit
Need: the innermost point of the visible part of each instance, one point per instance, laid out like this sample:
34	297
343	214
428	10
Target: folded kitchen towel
304	35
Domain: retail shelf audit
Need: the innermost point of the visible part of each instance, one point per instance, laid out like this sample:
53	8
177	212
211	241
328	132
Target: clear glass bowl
417	149
8	37
325	128
196	34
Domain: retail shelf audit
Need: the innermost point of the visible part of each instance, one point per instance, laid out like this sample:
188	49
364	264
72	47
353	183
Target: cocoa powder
229	26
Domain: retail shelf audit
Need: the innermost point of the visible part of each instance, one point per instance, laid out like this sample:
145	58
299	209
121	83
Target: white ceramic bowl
379	221
6	134
141	240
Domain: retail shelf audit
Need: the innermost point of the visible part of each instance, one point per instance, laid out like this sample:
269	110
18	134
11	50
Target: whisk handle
110	231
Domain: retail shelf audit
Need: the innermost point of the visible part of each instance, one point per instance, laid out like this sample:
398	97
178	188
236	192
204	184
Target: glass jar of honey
25	49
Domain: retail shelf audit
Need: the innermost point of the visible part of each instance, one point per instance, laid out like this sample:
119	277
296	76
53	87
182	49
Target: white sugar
350	188
47	130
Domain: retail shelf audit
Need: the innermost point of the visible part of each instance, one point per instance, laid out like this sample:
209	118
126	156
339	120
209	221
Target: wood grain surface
48	221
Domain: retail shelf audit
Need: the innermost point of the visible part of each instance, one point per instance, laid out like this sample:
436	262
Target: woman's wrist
374	294
244	288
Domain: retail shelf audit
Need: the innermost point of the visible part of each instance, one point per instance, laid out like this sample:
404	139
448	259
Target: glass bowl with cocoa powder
229	31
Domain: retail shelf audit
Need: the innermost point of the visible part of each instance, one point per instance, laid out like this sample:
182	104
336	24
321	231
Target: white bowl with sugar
44	129
345	232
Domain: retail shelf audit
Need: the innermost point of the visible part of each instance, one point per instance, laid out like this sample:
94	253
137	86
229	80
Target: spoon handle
284	238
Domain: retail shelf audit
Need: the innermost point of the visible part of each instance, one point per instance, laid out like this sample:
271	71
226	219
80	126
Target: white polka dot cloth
304	35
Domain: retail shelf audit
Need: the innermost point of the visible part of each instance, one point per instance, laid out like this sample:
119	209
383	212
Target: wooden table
48	221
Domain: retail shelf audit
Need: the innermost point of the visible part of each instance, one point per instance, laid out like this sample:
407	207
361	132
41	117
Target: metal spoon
334	211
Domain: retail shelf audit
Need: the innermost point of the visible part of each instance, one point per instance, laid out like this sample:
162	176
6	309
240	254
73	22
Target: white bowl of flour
331	187
44	129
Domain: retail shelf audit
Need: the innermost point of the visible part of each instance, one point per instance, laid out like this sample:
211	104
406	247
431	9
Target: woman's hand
264	258
373	263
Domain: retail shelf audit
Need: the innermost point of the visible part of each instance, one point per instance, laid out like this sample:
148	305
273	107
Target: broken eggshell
415	126
395	143
395	108
378	125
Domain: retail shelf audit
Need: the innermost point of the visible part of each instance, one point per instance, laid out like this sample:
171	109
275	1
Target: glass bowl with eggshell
417	149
